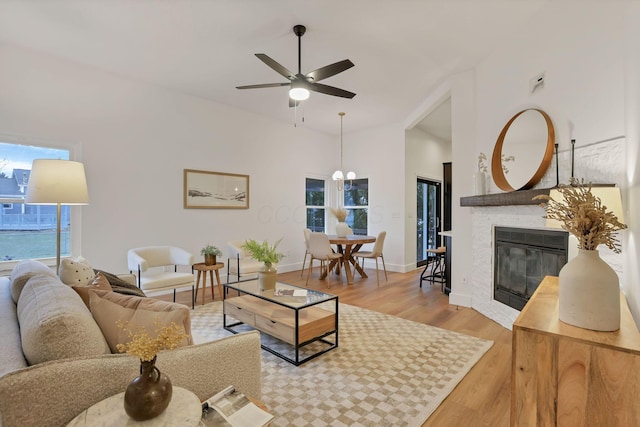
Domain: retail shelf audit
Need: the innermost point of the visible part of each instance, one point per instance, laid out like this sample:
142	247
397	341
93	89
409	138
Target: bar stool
437	267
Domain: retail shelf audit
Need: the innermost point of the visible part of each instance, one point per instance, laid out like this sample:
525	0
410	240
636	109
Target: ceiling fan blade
329	70
260	86
330	90
275	66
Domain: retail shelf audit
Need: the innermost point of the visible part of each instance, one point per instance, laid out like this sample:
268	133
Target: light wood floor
483	396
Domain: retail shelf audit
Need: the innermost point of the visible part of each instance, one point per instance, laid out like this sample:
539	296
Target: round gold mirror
523	151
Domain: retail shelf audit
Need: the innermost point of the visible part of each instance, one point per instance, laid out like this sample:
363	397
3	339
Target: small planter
210	259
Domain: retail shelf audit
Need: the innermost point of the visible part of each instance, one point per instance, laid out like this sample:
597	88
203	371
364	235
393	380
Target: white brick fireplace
601	162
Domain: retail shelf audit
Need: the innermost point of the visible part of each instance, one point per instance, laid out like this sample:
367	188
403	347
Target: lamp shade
609	196
57	181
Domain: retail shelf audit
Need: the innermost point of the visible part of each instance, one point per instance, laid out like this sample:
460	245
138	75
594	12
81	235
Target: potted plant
210	253
269	255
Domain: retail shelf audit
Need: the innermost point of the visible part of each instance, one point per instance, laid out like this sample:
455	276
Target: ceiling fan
300	84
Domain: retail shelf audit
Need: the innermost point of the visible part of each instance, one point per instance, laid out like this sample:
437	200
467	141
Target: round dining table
348	246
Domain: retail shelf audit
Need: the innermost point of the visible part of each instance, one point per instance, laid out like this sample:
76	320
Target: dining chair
375	253
320	249
307	231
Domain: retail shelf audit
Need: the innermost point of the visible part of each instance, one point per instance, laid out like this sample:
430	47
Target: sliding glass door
428	218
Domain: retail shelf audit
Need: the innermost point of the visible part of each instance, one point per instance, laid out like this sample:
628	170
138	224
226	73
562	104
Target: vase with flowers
589	290
342	229
149	394
269	255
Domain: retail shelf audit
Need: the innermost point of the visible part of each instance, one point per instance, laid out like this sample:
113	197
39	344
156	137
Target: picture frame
215	190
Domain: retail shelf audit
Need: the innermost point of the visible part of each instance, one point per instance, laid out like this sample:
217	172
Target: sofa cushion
75	271
148	313
11	357
99	282
120	285
55	323
23	271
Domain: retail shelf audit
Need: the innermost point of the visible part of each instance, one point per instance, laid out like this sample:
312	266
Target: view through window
315	201
356	201
28	231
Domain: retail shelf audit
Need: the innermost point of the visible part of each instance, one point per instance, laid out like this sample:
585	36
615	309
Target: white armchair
240	262
149	264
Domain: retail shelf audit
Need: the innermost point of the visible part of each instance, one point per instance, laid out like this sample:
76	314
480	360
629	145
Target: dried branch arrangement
583	215
340	213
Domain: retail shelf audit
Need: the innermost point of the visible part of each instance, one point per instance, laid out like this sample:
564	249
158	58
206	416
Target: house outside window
28	231
315	202
356	201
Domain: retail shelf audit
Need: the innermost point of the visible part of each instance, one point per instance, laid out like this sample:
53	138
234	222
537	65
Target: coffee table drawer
239	313
275	328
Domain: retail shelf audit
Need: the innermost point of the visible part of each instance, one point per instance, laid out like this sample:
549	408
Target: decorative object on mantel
210	253
342	229
589	290
480	177
149	394
269	255
529	137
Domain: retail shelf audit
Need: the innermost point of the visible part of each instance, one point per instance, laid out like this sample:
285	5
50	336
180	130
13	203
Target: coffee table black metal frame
296	304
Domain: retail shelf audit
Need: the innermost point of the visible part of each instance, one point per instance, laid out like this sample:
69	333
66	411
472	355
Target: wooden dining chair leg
385	268
304	262
377	273
309	270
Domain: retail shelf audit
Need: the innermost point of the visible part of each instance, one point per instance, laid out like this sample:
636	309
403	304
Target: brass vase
149	394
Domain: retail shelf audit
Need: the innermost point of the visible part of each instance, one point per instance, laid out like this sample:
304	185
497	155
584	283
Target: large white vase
342	229
589	293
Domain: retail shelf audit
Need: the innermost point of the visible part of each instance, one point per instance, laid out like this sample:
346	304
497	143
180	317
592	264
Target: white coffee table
185	409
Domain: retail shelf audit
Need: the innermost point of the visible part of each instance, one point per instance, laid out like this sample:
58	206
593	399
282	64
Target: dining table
348	246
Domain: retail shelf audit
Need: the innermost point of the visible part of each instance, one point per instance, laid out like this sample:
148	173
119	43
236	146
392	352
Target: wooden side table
201	267
184	409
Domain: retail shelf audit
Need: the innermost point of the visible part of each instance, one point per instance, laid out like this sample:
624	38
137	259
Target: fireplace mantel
520	197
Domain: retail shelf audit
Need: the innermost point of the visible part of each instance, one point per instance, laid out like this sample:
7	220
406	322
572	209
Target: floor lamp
57	182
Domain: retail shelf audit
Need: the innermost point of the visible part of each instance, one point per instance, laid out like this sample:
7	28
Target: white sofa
49	321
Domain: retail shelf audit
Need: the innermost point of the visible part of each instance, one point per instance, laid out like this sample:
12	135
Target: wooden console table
568	376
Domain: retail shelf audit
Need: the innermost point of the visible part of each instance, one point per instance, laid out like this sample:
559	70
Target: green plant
264	252
210	250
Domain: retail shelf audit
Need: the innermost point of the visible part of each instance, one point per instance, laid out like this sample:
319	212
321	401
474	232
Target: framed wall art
215	190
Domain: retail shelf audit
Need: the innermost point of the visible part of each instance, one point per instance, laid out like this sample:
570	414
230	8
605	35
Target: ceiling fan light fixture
298	93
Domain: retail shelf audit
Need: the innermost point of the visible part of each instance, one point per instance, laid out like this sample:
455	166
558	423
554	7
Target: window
356	201
28	231
315	202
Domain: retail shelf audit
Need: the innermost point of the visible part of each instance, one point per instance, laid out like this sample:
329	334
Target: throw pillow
55	324
99	282
75	271
119	285
22	272
148	313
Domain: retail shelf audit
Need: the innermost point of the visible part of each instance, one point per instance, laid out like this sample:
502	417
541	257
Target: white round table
185	409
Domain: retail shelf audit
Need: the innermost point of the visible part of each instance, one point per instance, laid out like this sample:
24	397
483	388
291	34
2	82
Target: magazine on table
281	292
232	408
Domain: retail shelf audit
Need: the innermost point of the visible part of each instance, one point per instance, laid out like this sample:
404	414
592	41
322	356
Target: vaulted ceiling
401	48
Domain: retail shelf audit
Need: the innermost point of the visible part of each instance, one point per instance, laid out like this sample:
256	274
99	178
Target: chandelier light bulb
338	176
351	175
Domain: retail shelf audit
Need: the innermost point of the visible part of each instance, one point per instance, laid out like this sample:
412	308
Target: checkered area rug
386	371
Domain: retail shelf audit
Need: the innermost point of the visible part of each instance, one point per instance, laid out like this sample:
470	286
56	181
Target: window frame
324	207
75	213
355	208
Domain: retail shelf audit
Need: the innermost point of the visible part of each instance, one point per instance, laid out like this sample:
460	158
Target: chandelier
338	175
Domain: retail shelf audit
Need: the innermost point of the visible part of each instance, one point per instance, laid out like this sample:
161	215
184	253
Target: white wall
136	139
